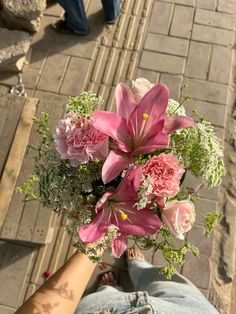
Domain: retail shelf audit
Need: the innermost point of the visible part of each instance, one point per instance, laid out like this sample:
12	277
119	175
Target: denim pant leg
175	295
111	9
75	16
102	299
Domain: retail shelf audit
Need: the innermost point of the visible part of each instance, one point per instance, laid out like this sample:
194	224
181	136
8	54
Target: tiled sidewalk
169	41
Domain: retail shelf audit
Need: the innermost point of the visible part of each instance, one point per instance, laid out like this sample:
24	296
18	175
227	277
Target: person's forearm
62	292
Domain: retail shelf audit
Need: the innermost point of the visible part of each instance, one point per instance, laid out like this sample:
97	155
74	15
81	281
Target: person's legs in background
173	295
75	17
111	9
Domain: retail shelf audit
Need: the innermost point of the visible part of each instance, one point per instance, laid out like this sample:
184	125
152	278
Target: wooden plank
10	112
16	155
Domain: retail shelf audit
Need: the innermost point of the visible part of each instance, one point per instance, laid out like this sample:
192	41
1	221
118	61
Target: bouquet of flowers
118	176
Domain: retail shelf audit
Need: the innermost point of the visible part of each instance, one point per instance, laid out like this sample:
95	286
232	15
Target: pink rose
165	171
179	216
77	140
140	87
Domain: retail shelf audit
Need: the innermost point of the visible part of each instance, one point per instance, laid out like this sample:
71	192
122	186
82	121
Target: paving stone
30	77
221	64
182	22
162	63
209	4
160	23
25	14
95	12
54	10
193	182
44	39
74	46
167	44
53	72
37	59
204	206
212	35
184	2
15	264
216	19
227	6
198	60
193	264
75	77
174	82
6	310
151	76
214	113
207	91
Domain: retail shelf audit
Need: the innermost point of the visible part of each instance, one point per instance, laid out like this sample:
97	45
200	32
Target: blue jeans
153	294
75	16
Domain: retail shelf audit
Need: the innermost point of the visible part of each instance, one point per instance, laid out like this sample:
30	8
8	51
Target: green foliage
210	221
28	188
174	108
164	242
200	151
85	103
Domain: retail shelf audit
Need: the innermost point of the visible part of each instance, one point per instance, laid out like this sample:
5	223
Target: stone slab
53	72
216	19
75	76
193	264
207	91
167	44
181	25
214	113
15	262
174	82
197	65
162	63
212	35
227	6
221	64
209	4
160	23
190	3
73	46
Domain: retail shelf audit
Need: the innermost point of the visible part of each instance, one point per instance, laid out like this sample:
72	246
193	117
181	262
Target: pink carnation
77	140
165	170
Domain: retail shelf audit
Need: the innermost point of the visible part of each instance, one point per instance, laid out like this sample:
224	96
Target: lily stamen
123	216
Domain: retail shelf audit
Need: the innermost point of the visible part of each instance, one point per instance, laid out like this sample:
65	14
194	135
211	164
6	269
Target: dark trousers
75	16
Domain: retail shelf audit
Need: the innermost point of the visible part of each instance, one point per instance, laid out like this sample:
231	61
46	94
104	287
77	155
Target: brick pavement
169	41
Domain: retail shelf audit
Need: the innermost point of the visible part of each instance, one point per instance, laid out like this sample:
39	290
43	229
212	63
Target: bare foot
108	279
134	254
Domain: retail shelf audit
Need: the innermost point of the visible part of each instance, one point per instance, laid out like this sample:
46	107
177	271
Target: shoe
61	27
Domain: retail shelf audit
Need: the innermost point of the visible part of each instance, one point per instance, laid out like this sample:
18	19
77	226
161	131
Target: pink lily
136	128
118	208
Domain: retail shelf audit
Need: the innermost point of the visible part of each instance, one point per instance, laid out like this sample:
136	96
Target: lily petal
153	104
140	222
114	126
125	103
119	245
173	123
113	165
160	140
95	230
128	187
